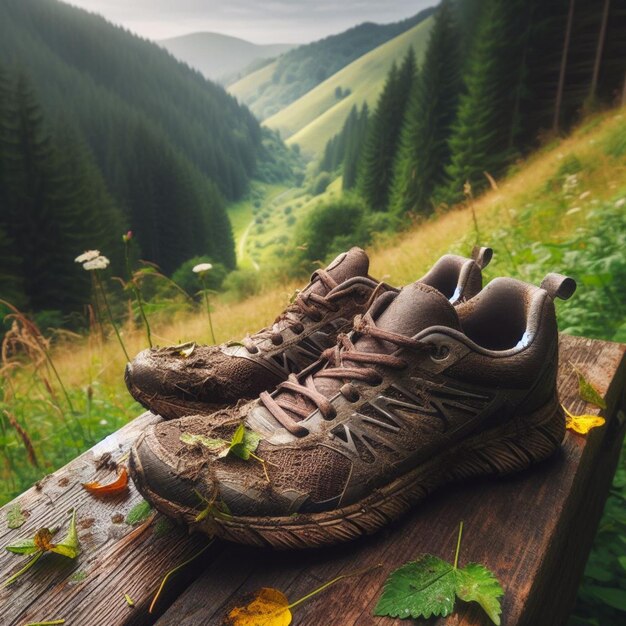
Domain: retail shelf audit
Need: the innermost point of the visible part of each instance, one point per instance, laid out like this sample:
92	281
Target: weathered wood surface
116	558
534	530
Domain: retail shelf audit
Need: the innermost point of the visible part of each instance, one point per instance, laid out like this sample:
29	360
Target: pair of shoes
437	382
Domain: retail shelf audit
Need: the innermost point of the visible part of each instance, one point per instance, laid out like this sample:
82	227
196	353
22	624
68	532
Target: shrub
243	283
333	227
320	184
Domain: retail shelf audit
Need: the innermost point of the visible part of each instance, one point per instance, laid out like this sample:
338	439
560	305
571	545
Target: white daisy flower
201	268
88	255
99	263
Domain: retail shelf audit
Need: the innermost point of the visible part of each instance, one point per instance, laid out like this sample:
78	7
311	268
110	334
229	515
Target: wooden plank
533	530
116	558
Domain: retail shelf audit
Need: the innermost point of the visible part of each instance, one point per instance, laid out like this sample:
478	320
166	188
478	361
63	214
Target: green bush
333	227
243	283
320	184
190	282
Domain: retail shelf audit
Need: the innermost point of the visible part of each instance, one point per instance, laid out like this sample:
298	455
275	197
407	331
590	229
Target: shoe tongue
415	308
354	262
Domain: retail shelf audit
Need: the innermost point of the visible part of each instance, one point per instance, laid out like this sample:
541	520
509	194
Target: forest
498	79
92	145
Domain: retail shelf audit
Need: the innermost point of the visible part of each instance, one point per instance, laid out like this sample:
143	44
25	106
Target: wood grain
116	558
534	530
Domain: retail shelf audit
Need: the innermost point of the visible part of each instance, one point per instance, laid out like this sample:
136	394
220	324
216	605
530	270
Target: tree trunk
599	50
559	90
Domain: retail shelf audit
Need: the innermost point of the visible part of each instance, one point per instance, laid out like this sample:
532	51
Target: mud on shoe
183	380
420	395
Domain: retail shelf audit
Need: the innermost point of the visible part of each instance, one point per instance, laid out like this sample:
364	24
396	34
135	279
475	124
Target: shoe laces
337	367
311	305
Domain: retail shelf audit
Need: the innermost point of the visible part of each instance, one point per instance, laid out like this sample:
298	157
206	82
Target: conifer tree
424	149
354	146
486	133
376	167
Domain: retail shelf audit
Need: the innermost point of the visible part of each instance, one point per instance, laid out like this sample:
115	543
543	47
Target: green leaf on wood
429	586
139	513
15	516
475	583
421	588
69	545
588	392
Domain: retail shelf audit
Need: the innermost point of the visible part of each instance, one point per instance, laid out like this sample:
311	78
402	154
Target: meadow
563	209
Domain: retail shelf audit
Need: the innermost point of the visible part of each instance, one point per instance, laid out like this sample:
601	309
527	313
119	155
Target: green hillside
270	89
217	56
315	117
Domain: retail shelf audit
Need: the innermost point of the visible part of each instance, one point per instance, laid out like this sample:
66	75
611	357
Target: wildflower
88	255
201	268
99	263
584	195
103	422
620	203
127	237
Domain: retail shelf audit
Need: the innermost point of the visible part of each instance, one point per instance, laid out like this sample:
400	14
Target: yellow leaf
268	607
582	424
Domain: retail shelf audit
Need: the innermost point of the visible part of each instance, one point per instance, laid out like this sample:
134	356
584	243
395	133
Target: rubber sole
509	448
168	408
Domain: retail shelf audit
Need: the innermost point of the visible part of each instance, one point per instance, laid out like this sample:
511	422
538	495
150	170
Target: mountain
318	115
168	146
275	86
217	56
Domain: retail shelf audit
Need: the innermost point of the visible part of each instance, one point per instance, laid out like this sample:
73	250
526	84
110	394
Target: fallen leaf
42	543
422	588
582	424
43	540
139	513
268	607
69	545
475	583
587	391
117	486
429	586
15	517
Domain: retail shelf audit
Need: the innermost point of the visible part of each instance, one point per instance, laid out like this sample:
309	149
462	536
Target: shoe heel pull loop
559	286
482	256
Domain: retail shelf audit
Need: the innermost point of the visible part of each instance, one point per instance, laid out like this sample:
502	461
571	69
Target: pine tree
487	130
376	167
354	146
424	150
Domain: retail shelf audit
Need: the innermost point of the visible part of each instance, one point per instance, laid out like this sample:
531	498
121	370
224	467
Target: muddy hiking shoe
420	395
189	379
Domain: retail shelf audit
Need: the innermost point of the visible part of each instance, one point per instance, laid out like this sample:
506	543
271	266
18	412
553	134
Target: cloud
261	21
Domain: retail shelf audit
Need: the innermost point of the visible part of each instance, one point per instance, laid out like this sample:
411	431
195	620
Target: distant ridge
218	56
273	87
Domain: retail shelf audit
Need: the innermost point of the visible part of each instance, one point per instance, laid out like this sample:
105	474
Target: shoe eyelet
441	354
277	340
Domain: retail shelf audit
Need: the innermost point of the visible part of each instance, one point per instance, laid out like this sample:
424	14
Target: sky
260	21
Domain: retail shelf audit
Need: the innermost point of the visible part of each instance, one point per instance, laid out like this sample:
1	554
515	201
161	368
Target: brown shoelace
308	305
345	350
